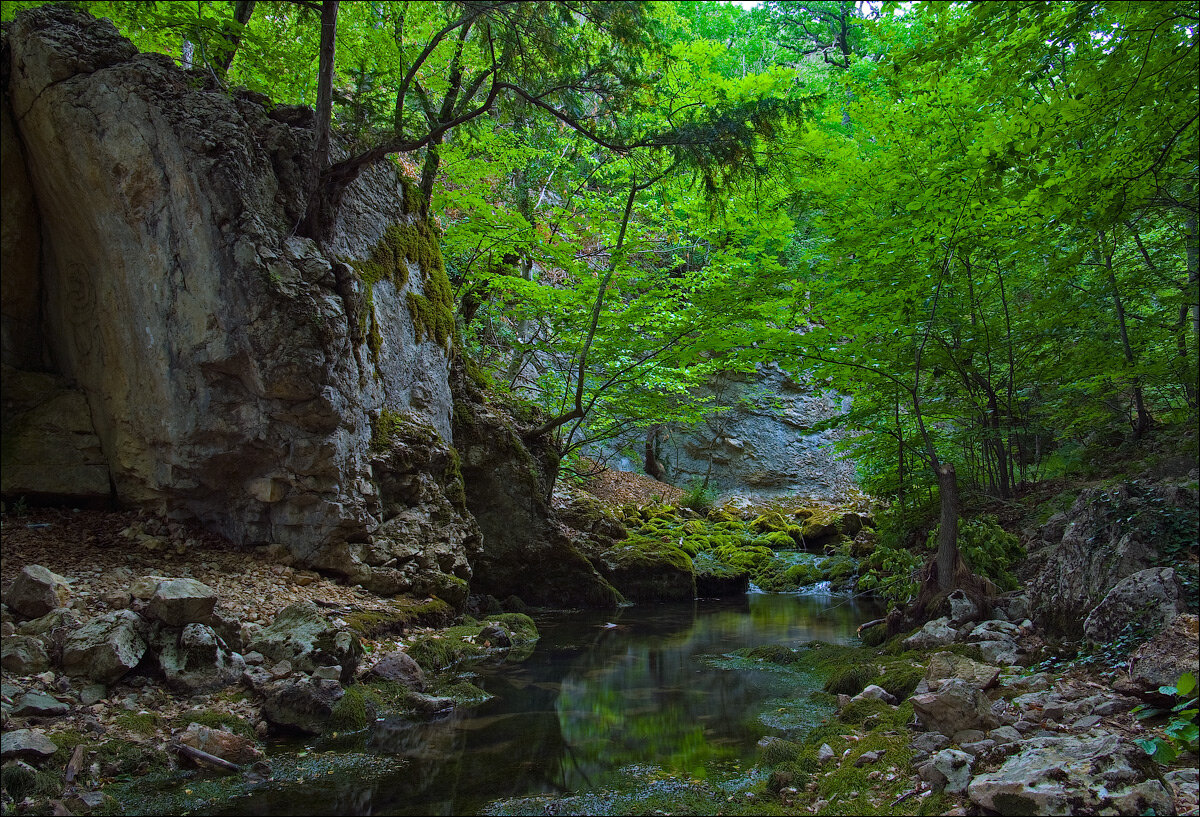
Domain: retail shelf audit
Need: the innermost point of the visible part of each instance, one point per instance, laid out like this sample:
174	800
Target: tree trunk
653	466
1142	420
947	552
321	207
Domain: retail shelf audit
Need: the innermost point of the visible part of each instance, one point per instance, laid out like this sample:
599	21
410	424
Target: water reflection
588	701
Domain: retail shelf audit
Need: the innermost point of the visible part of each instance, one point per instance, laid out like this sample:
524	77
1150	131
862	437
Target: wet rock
177	602
1073	775
303	636
36	591
26	744
225	745
195	659
955	767
304	704
1148	600
401	667
936	633
106	647
23	655
495	636
954	706
38	704
430	704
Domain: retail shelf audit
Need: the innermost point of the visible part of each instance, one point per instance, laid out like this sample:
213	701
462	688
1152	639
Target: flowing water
593	699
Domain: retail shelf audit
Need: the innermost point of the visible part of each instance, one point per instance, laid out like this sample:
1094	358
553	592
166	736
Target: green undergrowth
404	613
216	719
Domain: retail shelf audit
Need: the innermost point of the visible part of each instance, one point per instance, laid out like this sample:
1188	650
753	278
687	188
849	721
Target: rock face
1106	536
528	553
762	435
231	371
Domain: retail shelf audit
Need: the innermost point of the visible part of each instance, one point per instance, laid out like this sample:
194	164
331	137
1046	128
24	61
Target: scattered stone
1073	775
144	587
943	665
994	630
930	742
429	704
877	693
1004	653
867	758
23	655
967	736
1086	722
195	659
825	754
254	658
91	693
60	618
36	591
936	633
302	635
495	636
955	766
1004	735
106	647
39	704
302	704
975	748
327	673
962	609
177	602
26	744
1163	659
954	706
225	745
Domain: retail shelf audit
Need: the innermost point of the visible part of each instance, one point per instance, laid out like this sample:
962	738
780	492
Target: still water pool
592	700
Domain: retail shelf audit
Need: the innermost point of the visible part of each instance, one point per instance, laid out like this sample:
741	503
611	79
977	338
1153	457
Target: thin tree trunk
1142	422
947	552
322	208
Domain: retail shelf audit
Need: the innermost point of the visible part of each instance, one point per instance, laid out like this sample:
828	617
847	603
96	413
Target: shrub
699	497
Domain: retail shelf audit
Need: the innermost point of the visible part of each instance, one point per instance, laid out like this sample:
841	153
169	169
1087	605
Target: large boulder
1107	535
23	655
1143	602
299	703
195	659
644	569
954	706
1102	774
233	371
106	647
36	591
1162	660
303	636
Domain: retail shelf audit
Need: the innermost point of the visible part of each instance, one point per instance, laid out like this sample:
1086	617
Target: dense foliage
978	219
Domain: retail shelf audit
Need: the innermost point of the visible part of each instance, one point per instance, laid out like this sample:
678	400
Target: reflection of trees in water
589	701
640	697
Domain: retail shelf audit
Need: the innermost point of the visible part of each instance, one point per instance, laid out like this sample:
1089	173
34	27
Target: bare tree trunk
654	467
1142	422
947	551
321	207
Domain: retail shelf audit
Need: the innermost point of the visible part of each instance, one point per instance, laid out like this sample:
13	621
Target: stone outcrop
1106	536
205	361
528	553
1145	601
764	436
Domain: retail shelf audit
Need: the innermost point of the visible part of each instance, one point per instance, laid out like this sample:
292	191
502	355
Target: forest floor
102	551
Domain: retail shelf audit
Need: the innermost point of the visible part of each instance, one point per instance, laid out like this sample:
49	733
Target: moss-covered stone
404	613
649	569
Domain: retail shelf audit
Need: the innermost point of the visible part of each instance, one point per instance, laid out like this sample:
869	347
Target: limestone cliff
232	371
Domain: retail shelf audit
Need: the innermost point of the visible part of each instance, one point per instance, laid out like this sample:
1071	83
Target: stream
657	691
